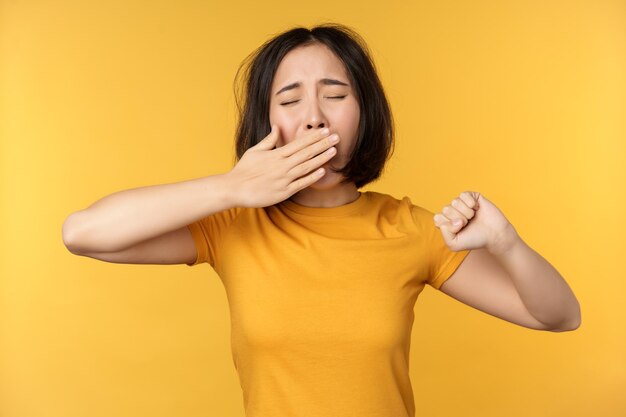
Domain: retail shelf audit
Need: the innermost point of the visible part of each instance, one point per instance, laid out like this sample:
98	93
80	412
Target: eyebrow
324	81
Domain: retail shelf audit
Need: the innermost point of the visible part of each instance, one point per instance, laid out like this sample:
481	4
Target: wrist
230	189
505	241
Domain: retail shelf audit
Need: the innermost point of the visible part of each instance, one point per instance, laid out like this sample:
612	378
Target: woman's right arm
148	224
126	218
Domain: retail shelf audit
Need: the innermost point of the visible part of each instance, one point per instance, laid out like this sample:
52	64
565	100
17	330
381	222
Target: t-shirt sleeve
441	261
208	232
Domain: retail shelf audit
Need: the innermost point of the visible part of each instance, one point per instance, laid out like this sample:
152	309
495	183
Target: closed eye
295	101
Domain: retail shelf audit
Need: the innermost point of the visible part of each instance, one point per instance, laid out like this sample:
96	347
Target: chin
328	181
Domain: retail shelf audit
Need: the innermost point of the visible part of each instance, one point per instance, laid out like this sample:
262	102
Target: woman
321	279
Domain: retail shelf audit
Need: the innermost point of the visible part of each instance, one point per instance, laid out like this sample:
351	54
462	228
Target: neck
336	196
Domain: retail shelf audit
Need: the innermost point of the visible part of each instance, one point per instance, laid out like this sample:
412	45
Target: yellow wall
523	101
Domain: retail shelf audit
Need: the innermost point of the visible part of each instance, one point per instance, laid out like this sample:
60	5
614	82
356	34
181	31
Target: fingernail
458	222
325	131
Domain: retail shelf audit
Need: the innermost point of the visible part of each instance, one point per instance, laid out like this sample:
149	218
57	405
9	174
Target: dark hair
375	140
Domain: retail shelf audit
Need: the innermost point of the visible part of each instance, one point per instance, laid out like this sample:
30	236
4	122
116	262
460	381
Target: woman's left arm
503	276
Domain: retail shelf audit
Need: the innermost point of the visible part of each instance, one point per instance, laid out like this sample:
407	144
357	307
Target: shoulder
398	210
386	200
405	202
414	216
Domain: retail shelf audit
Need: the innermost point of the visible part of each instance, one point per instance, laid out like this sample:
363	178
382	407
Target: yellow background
522	101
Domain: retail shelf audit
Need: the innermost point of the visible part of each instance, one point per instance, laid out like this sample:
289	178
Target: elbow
68	234
566	328
576	323
569	325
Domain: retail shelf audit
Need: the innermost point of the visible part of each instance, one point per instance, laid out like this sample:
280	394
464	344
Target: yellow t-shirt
321	301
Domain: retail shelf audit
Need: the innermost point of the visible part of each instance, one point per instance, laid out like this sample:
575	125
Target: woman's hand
481	224
266	175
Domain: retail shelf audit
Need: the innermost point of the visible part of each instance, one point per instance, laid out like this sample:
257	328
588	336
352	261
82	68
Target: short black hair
375	140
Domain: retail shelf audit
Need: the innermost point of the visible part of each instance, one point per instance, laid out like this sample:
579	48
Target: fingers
467	198
452	215
458	210
313	163
305	181
269	142
462	209
311	151
301	143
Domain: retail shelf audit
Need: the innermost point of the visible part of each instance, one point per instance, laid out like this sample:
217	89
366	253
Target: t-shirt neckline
326	211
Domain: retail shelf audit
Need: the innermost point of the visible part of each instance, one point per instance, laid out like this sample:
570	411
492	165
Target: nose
315	118
319	125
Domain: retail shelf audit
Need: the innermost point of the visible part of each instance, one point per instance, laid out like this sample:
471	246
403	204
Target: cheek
348	118
286	134
349	127
354	115
285	127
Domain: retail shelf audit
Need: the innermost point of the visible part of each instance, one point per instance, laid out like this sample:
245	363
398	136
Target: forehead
311	61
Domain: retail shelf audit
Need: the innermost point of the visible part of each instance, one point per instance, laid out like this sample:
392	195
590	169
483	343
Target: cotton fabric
321	301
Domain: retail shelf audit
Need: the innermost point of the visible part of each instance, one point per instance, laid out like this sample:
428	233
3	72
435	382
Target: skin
312	107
